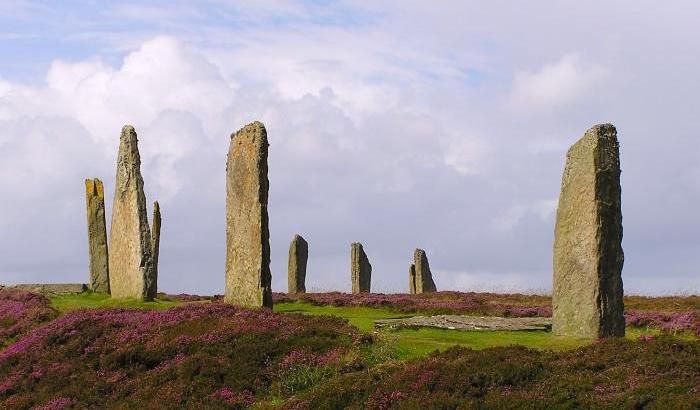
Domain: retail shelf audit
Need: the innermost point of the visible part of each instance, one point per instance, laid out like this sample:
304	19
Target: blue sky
397	124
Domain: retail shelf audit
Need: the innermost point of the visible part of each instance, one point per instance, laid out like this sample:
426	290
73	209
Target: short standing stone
423	277
412	279
248	277
130	258
97	236
152	280
298	256
588	257
360	269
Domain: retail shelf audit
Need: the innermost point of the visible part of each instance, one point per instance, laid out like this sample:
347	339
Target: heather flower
37	373
245	397
423	379
58	403
383	401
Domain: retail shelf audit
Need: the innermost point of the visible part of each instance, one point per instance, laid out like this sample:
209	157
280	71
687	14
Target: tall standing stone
152	283
588	257
97	236
412	279
360	269
130	257
298	256
423	278
248	277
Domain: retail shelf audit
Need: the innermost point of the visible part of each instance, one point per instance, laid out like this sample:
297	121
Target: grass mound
661	372
194	356
21	311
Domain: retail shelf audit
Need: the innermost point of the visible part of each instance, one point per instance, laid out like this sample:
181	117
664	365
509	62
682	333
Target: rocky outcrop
588	257
248	277
420	272
298	256
130	257
469	323
360	269
98	254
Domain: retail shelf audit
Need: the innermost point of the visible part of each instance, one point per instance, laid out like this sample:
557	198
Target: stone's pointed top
255	125
156	207
252	130
94	187
600	131
128	129
299	238
604	127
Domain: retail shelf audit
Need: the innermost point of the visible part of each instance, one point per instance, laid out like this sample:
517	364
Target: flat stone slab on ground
51	288
460	322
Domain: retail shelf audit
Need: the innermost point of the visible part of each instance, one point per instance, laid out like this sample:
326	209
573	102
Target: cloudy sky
397	124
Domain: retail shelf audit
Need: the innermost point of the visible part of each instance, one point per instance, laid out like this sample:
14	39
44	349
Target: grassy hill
322	351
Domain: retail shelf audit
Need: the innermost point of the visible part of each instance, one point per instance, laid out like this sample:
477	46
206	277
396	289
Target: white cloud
375	114
466	155
542	209
556	84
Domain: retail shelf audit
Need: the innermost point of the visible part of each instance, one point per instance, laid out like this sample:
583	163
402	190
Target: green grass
410	343
407	343
89	300
361	317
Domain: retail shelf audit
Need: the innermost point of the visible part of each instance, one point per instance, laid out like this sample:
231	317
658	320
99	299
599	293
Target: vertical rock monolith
360	269
588	257
298	256
248	277
412	279
130	257
152	280
97	236
423	277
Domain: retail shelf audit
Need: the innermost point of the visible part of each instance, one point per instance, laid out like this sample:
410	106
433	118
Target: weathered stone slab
588	257
51	288
469	323
248	277
130	258
152	279
412	279
423	282
360	269
97	236
298	256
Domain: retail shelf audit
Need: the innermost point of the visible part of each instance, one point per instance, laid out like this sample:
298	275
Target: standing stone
360	269
412	279
152	282
248	277
423	278
588	257
97	236
298	255
130	258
